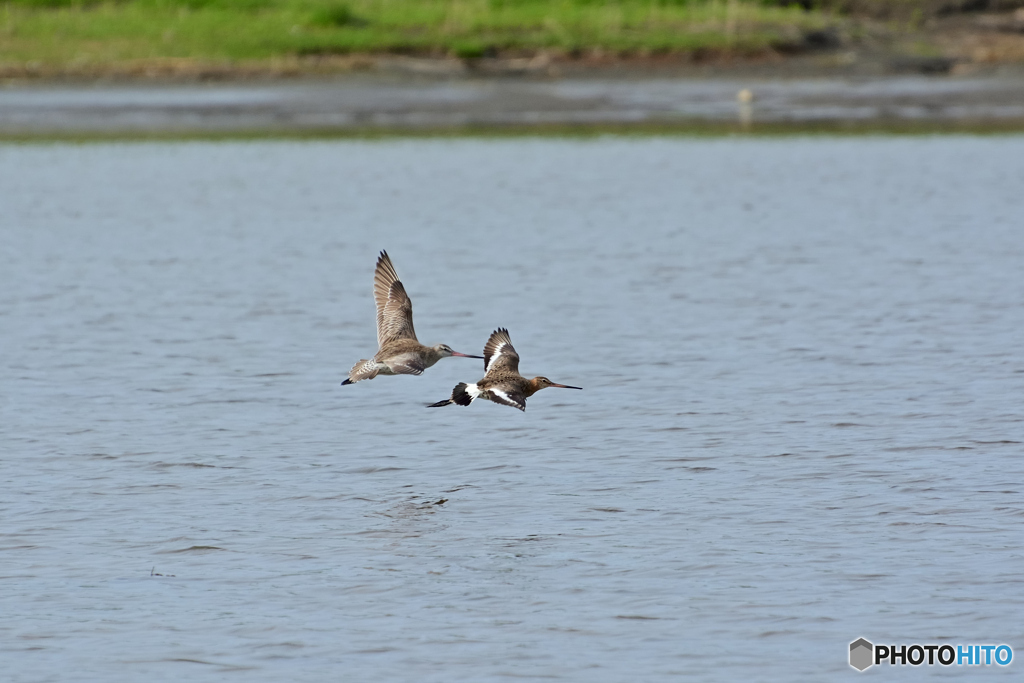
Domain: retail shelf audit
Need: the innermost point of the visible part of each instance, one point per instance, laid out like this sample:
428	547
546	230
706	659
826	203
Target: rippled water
801	422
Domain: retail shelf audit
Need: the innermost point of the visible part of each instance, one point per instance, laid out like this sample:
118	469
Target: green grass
867	127
82	34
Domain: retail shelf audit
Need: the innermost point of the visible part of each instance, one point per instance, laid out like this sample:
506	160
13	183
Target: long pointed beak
464	355
565	386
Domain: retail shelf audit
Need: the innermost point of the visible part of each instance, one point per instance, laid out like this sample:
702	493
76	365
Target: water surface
801	422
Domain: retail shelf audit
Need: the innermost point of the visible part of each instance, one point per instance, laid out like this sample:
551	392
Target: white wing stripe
501	394
495	357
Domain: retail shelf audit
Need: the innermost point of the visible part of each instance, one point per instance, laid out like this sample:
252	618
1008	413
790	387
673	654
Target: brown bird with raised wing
502	382
400	352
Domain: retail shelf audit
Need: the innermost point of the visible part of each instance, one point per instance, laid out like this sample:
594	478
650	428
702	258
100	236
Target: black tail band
460	395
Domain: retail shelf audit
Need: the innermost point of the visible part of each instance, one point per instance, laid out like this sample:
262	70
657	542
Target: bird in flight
502	382
400	352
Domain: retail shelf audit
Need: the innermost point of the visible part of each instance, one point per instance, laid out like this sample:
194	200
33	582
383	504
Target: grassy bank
82	35
694	129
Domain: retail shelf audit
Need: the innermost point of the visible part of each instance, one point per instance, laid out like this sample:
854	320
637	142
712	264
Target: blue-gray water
802	420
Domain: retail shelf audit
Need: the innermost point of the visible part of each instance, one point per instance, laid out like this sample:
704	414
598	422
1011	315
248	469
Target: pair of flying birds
401	353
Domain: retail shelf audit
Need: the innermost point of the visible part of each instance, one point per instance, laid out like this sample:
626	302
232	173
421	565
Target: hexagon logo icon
861	654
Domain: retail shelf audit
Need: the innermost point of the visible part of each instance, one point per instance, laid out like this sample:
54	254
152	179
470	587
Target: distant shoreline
85	41
543	65
373	105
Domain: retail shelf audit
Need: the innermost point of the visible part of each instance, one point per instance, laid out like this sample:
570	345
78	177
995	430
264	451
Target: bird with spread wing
400	352
502	382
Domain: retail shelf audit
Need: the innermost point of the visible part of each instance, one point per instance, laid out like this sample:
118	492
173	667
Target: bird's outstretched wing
499	355
508	397
394	309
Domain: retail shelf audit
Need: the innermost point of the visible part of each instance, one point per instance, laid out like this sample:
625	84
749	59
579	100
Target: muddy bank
384	104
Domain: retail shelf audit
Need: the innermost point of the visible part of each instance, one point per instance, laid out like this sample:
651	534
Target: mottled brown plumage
400	353
502	382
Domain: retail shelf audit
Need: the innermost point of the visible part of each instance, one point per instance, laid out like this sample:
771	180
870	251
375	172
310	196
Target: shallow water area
378	104
801	419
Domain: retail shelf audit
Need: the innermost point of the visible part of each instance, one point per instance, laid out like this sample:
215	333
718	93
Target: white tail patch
473	390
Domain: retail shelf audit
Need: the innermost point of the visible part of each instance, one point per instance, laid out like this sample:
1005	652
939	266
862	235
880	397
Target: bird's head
544	383
445	351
